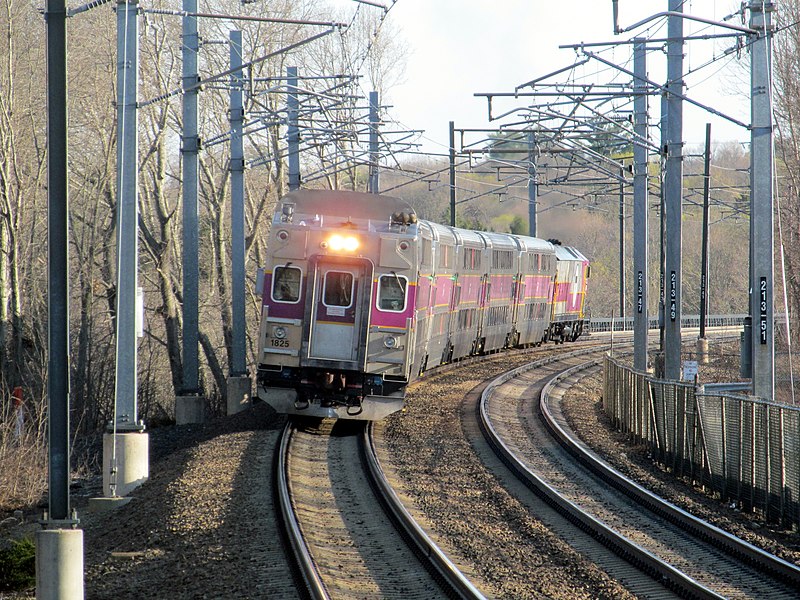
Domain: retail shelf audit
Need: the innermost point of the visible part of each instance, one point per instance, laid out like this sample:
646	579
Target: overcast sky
460	47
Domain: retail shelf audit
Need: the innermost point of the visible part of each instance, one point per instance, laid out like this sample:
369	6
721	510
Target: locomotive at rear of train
360	298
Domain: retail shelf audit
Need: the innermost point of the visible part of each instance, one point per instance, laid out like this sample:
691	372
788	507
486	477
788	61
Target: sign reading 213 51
762	310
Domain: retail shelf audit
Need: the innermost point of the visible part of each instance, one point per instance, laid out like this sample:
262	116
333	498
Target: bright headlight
390	341
338	243
279	332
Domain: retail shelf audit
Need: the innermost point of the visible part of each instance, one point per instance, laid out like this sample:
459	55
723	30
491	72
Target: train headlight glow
390	342
339	243
279	332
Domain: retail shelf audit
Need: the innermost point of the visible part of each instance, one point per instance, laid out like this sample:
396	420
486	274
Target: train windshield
338	289
286	284
392	292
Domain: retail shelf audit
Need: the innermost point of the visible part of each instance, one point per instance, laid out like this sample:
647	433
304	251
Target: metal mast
57	264
373	143
127	216
238	366
622	283
640	202
533	190
452	174
189	150
293	130
761	202
673	192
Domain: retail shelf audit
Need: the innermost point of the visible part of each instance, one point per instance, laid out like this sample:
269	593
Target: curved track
681	553
332	496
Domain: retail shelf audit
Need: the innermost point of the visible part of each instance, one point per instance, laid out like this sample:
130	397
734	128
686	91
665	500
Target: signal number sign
673	296
762	310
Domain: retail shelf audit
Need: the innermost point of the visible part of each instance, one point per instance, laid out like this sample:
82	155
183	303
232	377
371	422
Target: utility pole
533	191
640	207
190	405
673	191
373	142
239	385
761	202
292	129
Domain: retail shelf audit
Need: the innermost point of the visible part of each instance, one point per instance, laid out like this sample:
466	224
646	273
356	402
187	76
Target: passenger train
359	298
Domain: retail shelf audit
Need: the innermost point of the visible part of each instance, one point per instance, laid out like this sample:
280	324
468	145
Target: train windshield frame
286	284
392	293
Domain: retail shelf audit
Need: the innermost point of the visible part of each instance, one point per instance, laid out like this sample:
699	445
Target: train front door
339	312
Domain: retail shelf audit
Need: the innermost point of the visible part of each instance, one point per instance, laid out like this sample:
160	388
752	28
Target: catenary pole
373	143
293	129
59	544
673	190
533	191
622	283
189	152
125	395
704	244
640	208
662	221
761	202
57	263
238	366
452	174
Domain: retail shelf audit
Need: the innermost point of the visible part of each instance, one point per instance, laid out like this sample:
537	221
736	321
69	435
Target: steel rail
614	540
444	570
731	544
303	562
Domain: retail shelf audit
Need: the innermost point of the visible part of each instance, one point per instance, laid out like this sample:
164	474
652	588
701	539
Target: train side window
392	292
286	284
338	290
427	252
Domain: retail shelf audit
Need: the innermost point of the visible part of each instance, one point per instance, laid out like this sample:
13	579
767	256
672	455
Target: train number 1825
279	343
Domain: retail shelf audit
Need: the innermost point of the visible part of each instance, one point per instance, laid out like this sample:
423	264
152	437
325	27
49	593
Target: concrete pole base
59	564
239	393
133	462
702	351
101	505
190	409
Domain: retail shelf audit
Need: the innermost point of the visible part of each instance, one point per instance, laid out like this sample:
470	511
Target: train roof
438	231
354	206
569	253
500	241
532	244
490	239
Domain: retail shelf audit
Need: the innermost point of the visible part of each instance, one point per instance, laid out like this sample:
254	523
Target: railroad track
348	531
681	554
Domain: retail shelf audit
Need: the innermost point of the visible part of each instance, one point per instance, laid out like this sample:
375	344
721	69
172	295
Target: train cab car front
317	336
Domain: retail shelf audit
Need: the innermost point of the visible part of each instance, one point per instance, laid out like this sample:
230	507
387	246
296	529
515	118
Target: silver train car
359	298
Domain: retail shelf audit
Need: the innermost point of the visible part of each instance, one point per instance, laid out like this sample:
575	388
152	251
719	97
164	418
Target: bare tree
22	163
786	72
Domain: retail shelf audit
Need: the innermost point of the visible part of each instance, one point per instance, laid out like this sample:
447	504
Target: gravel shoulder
202	526
483	528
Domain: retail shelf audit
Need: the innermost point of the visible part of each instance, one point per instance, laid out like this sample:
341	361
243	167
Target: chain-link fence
745	449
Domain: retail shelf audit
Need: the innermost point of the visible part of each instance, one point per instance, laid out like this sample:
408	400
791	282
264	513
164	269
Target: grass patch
18	565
